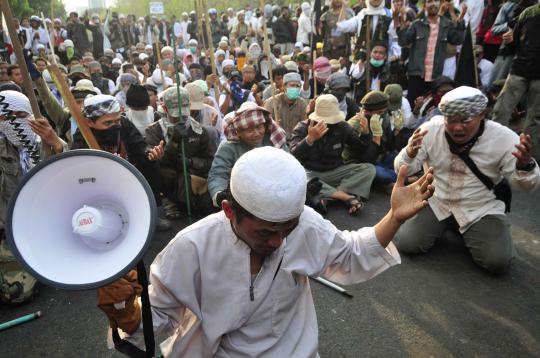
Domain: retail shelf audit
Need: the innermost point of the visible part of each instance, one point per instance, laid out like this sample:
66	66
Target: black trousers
417	87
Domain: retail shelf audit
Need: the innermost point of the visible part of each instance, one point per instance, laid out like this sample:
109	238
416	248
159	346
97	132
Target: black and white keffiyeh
97	106
463	101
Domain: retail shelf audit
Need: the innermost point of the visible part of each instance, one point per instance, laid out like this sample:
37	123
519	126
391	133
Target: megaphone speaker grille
39	224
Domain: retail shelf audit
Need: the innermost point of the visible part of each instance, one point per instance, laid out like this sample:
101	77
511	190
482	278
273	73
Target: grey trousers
354	179
488	240
513	91
501	68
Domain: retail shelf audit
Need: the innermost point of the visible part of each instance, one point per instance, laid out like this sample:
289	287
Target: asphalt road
434	305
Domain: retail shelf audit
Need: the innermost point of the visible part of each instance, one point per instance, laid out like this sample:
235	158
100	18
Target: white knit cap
270	184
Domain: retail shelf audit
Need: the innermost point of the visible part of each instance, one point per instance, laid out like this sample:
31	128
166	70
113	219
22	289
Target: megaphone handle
146	311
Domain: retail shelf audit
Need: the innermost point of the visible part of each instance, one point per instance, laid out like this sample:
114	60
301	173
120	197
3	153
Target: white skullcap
17	102
143	56
227	62
166	49
116	61
463	101
270	184
305	6
40	47
68	43
148	47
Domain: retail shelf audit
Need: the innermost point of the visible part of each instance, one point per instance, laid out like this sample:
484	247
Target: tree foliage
21	8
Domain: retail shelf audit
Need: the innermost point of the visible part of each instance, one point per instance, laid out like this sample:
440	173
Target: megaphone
81	219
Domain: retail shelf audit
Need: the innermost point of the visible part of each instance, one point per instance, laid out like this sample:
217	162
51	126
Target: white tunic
200	287
458	191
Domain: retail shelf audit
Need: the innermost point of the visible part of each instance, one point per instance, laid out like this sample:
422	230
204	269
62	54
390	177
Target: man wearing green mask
290	107
378	69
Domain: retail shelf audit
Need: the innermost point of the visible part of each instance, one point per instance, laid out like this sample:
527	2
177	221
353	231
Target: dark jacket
325	154
283	31
417	36
77	33
526	44
200	148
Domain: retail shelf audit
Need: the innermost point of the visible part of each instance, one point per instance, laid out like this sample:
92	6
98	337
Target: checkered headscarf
249	119
463	101
97	106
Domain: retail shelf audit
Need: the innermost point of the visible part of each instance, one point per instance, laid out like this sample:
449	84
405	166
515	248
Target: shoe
163	224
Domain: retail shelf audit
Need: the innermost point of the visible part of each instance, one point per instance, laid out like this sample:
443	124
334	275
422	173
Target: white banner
156	8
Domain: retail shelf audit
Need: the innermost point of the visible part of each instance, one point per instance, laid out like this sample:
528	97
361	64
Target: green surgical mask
293	93
70	51
376	63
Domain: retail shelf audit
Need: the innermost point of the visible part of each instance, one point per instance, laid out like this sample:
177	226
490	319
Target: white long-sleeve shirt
458	191
200	287
304	29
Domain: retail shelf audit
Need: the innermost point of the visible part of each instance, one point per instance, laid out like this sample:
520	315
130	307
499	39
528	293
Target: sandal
354	205
172	211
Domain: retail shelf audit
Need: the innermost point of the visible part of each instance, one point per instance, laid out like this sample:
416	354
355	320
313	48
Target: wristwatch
527	168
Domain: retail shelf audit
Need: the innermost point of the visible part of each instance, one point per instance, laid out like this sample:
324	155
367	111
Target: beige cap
327	110
196	96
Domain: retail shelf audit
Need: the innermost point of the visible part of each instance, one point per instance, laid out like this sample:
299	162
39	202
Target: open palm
407	200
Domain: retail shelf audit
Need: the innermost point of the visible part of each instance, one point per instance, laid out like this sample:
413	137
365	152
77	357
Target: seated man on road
249	127
318	144
236	284
462	201
174	127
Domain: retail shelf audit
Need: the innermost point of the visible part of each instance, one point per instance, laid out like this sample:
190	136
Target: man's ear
227	209
90	122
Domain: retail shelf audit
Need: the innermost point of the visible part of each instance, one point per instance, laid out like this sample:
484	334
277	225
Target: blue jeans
384	170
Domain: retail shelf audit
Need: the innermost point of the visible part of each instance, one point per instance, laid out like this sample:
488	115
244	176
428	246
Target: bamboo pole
368	54
210	46
269	55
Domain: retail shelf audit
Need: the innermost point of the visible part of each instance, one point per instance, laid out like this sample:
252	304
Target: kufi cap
16	102
299	45
338	80
116	61
193	42
291	66
375	100
148	47
167	49
327	110
196	96
270	184
463	101
334	64
143	57
292	77
212	11
170	99
68	43
227	62
395	94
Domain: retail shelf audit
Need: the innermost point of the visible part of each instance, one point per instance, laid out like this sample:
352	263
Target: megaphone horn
81	219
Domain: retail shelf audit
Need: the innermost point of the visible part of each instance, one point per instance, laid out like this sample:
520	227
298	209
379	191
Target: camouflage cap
170	99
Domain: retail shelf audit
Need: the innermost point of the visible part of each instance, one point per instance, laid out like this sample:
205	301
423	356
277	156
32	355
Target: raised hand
523	152
316	131
156	152
407	201
415	142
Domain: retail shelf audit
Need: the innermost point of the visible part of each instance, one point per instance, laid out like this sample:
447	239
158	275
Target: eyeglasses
458	120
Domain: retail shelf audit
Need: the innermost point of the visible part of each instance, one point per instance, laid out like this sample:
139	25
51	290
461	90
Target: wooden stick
74	109
27	81
269	55
51	42
368	54
158	50
210	46
200	32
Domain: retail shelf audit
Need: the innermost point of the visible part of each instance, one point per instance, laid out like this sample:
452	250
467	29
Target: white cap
270	184
116	61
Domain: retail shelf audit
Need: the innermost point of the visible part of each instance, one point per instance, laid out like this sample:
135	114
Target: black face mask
76	78
97	79
107	137
339	95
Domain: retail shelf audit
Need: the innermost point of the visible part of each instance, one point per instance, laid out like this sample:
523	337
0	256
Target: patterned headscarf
97	106
463	101
250	118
